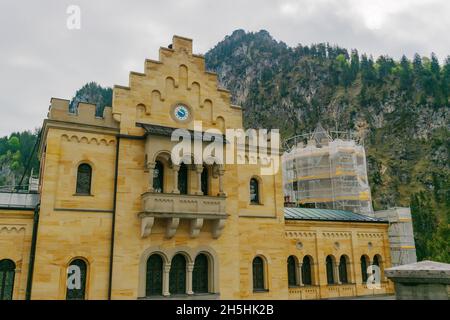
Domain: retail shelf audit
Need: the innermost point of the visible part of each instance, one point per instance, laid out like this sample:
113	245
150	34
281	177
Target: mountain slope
400	109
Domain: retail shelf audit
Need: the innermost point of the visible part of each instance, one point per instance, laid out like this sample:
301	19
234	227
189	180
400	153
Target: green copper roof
327	215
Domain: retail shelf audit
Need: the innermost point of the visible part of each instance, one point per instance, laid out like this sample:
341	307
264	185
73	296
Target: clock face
181	112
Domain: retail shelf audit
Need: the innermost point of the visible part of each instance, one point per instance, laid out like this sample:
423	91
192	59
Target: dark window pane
7	273
183	179
205	181
376	261
258	274
158	177
364	268
343	270
329	265
254	191
77	293
177	276
292	272
306	271
200	274
84	175
154	275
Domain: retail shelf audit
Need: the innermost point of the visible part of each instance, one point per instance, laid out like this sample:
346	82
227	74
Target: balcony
172	207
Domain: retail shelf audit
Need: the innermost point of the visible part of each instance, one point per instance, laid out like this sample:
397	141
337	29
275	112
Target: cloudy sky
41	58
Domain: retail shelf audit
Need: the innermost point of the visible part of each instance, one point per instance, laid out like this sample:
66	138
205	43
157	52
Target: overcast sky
41	58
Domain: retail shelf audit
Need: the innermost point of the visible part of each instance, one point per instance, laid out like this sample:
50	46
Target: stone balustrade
172	207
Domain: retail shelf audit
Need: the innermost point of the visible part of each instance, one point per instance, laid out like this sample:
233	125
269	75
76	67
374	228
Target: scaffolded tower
327	169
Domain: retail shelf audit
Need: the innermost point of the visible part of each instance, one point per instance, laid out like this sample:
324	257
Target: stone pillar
151	168
221	192
198	171
300	275
175	169
189	269
336	274
166	274
425	280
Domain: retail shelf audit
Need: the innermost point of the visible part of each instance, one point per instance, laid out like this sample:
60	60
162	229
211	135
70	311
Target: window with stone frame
77	293
154	276
7	273
258	274
364	265
158	177
84	177
343	275
330	272
177	275
292	272
200	274
254	191
183	179
205	181
307	271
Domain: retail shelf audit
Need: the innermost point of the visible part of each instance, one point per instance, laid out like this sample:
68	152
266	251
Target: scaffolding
326	169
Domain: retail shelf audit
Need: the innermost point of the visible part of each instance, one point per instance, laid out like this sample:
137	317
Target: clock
181	112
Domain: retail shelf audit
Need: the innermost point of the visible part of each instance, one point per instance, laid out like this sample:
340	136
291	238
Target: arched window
76	280
7	272
376	260
364	265
258	274
84	176
200	274
292	271
205	181
329	265
254	191
158	177
183	179
307	271
177	275
154	275
343	270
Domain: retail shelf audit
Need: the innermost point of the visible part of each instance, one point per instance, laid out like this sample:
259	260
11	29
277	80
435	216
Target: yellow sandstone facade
138	238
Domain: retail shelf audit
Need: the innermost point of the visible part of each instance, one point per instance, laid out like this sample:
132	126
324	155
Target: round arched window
254	191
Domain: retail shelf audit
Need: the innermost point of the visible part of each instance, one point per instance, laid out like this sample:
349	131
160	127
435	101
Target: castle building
116	210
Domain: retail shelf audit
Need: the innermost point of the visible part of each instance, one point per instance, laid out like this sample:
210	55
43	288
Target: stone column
166	274
336	274
221	192
189	269
175	169
300	275
198	171
151	168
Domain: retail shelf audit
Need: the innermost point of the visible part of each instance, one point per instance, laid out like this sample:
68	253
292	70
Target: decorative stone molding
172	226
84	139
336	234
196	225
369	235
299	234
11	228
218	226
146	226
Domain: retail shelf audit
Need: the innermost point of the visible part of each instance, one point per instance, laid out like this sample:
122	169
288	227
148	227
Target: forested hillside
15	155
400	108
